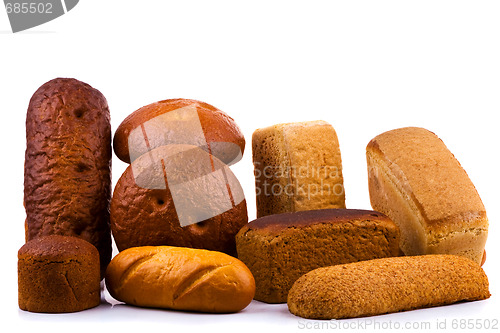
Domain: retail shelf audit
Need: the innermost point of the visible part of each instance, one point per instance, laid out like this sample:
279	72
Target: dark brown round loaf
143	213
219	133
67	173
58	274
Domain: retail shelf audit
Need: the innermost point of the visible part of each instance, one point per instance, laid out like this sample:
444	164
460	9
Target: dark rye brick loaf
67	170
280	248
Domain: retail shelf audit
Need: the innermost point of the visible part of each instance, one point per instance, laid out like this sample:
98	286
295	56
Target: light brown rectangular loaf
297	167
386	285
279	248
415	180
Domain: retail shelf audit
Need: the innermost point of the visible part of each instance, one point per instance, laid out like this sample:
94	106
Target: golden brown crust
387	285
180	278
217	126
58	274
429	172
280	248
67	174
297	167
418	183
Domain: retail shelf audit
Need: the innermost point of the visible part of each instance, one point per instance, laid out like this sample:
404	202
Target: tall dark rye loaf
67	170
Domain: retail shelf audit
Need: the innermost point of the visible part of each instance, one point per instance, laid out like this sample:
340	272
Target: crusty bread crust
58	274
387	285
297	167
418	183
148	216
279	248
67	170
217	127
180	278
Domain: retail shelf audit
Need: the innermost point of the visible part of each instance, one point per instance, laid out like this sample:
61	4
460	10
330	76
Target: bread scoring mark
195	279
130	270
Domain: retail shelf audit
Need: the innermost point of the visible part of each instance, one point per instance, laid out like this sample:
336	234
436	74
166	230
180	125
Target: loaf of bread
279	248
386	285
415	180
58	274
179	121
181	279
297	167
67	169
178	195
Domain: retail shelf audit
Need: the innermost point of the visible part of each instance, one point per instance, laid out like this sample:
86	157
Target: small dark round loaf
67	173
58	274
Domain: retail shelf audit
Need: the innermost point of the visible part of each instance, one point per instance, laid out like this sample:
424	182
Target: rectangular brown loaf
416	181
297	167
379	286
279	248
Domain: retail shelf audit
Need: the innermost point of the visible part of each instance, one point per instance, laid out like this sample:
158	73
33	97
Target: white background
364	66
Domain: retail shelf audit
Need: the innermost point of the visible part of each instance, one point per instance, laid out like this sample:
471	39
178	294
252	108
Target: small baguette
181	279
386	285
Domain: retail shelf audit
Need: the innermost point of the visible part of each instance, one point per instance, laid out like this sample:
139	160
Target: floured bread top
429	173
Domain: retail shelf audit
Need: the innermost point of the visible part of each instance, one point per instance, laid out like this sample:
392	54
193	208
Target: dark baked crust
56	248
141	217
278	222
217	126
67	173
58	274
280	248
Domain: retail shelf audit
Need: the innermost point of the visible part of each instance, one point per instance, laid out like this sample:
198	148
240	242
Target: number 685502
29	8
